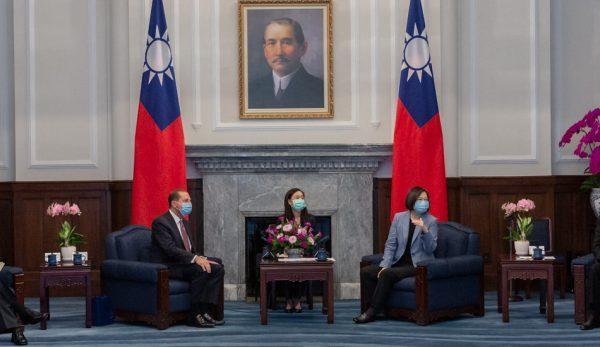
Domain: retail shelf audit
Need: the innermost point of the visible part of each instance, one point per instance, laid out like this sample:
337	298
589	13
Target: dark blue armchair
13	277
582	268
141	290
449	285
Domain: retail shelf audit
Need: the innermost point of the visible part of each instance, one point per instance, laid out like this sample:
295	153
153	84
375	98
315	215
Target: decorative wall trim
283	158
196	90
558	79
476	158
374	14
394	80
34	162
354	59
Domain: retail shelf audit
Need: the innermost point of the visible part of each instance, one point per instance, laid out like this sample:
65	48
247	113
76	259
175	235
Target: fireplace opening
254	245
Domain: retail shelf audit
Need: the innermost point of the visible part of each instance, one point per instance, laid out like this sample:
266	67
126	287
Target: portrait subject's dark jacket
167	244
304	91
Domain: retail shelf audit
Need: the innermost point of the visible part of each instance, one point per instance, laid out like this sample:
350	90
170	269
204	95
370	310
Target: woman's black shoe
592	322
364	318
200	322
288	310
18	338
212	320
298	310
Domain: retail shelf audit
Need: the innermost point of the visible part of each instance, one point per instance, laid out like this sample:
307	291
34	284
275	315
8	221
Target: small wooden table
273	270
509	268
66	275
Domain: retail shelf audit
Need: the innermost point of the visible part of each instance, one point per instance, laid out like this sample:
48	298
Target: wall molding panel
532	72
34	161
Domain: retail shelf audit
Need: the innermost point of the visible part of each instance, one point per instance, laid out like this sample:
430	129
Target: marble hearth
250	181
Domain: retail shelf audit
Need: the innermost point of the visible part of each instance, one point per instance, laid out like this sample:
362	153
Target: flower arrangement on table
285	235
68	239
520	226
587	147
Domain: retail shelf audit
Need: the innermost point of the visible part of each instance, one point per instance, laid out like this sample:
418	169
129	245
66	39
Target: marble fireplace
251	181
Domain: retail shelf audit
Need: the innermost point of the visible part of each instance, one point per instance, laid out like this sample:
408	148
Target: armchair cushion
130	243
453	267
178	287
455	239
135	271
373	258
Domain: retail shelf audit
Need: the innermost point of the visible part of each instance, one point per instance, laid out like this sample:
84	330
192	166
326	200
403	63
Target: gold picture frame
288	43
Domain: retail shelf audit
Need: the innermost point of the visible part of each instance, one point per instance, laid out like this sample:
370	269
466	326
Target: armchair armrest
136	271
372	259
586	260
7	274
462	265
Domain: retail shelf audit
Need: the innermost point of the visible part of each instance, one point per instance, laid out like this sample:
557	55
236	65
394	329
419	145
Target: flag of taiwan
418	143
159	165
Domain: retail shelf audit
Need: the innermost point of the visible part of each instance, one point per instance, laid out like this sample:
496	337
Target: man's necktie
279	94
186	239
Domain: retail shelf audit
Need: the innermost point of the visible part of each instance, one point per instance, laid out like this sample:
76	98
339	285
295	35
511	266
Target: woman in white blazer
400	257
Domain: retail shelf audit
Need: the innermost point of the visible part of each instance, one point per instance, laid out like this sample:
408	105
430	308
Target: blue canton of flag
417	90
159	92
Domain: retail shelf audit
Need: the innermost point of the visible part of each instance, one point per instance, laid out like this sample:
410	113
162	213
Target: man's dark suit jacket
167	244
303	91
596	241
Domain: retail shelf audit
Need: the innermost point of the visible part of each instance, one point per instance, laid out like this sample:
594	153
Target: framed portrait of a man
285	59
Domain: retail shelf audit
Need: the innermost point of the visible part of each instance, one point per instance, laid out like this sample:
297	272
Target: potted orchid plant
587	148
68	239
293	240
520	225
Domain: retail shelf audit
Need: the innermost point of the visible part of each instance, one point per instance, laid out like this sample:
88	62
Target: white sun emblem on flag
416	54
159	60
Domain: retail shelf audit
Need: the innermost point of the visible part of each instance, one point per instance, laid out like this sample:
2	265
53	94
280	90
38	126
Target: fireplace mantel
288	158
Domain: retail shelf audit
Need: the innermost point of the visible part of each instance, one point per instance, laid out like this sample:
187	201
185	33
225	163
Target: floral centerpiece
287	237
587	148
68	239
521	223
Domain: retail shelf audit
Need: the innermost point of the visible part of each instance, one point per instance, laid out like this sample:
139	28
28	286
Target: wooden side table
66	275
273	270
509	268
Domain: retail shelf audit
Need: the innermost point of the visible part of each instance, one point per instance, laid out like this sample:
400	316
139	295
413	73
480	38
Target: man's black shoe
364	318
33	317
200	322
210	319
592	322
18	338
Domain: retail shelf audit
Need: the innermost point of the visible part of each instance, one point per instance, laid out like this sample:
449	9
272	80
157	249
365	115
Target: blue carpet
526	327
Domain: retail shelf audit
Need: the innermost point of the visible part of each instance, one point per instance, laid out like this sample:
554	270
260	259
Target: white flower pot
66	253
522	247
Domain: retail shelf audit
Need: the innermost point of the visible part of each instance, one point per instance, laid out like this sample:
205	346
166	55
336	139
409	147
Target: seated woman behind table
295	211
400	256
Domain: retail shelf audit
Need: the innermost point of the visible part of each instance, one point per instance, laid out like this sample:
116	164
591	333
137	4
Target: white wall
575	73
511	75
6	93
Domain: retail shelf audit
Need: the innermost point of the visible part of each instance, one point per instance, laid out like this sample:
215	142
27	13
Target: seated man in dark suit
11	310
593	320
171	245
